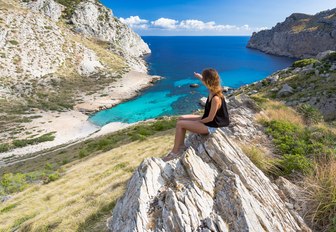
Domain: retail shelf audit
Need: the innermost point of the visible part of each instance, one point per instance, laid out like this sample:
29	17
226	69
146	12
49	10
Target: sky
209	17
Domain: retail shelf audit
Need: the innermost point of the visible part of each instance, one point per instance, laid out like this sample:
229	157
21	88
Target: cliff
43	42
299	36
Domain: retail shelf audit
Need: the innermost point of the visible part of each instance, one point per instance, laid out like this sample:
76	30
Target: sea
176	59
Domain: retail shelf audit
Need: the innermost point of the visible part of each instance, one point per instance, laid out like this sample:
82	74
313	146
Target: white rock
89	64
95	20
286	90
49	8
212	187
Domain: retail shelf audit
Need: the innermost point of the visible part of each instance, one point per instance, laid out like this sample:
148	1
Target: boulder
213	186
285	91
194	85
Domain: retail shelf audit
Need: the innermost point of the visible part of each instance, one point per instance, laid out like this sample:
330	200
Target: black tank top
221	118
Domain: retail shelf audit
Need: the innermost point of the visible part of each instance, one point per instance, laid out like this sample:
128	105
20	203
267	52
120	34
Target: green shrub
309	113
13	182
297	144
43	138
288	138
83	153
296	162
4	147
13	42
304	62
52	177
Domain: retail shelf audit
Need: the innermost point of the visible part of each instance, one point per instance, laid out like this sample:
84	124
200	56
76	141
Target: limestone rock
212	187
92	19
300	36
49	8
286	90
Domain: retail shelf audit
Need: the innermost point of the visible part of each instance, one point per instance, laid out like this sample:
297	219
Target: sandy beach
126	88
73	126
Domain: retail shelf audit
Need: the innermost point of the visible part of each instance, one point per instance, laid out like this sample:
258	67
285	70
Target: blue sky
209	17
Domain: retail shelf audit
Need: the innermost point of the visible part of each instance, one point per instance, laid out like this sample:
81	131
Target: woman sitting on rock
215	114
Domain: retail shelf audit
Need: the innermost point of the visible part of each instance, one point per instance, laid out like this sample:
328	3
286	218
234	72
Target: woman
215	114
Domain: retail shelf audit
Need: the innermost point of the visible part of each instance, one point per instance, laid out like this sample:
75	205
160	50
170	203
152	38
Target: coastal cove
175	59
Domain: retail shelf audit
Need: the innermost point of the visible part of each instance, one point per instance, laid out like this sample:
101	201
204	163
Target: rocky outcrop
212	187
93	19
49	8
300	35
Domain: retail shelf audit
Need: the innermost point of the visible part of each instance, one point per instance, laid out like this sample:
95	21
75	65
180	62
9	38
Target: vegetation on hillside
306	153
80	185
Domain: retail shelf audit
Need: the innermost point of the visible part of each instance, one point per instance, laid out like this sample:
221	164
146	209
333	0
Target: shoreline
73	126
124	89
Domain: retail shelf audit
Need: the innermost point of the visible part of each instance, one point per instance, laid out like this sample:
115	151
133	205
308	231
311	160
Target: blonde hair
212	81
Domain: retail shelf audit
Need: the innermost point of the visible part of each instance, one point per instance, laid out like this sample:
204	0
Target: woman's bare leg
190	117
182	126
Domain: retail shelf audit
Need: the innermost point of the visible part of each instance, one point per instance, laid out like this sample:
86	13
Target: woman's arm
198	76
215	104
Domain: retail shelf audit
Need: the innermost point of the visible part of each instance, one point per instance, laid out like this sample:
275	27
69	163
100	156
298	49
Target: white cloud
165	23
189	26
135	22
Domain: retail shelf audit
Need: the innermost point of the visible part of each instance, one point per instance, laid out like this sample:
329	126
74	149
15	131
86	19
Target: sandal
171	155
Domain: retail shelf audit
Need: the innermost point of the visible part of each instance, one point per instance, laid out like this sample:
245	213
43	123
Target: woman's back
221	118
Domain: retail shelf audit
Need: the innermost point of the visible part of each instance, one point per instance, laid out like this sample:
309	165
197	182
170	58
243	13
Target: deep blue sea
175	59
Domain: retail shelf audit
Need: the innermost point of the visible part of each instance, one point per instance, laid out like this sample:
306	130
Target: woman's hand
198	76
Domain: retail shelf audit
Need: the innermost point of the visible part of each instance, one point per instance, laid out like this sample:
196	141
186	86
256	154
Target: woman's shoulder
216	98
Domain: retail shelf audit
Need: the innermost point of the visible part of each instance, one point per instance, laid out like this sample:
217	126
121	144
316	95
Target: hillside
300	35
308	82
58	57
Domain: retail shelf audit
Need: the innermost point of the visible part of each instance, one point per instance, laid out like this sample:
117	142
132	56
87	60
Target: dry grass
278	111
86	188
110	60
260	158
321	196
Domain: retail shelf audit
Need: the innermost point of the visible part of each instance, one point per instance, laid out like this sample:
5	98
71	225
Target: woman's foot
170	156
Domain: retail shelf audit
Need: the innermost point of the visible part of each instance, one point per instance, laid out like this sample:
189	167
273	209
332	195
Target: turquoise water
176	58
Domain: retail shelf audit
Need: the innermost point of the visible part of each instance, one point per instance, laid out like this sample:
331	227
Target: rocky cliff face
93	19
90	18
38	45
212	187
300	35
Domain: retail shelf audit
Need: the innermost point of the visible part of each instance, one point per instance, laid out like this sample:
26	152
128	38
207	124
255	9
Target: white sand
73	126
125	88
